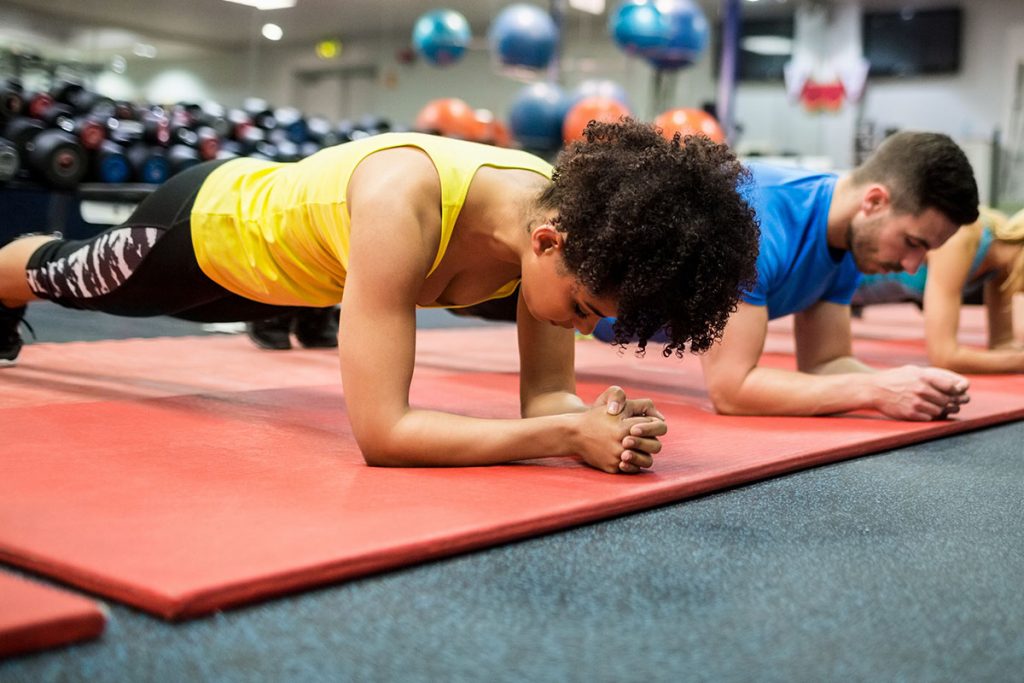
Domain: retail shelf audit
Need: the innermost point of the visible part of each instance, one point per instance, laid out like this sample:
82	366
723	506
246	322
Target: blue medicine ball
535	118
441	36
668	33
523	35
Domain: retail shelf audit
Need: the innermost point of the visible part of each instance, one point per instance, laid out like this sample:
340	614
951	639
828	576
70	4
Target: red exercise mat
187	475
892	322
36	617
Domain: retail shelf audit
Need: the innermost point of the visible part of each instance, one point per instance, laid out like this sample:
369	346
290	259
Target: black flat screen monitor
913	42
765	45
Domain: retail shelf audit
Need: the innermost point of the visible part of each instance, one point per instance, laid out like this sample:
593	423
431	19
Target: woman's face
554	295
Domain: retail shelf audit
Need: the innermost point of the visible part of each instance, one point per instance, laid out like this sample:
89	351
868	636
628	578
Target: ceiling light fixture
265	4
588	6
144	50
272	32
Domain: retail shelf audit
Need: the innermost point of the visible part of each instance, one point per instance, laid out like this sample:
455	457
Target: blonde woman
986	256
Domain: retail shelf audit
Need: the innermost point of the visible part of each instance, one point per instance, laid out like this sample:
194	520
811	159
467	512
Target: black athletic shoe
10	338
271	334
317	328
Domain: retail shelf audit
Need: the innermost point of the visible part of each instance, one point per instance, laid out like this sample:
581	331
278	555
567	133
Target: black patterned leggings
145	267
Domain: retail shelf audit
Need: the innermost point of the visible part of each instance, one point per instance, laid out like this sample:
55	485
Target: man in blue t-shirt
818	232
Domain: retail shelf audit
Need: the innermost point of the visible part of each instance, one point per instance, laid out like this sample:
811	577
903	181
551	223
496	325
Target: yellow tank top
278	233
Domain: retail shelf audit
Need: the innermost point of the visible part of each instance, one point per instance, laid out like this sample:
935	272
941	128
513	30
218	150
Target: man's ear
876	198
545	237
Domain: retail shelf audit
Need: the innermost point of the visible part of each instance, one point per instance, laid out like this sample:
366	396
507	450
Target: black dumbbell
287	151
265	151
218	122
71	94
36	103
22	129
251	137
56	158
10	162
344	130
229	149
292	122
110	163
12	99
208	142
90	129
52	155
374	124
126	111
57	113
182	157
264	119
321	131
149	164
240	122
308	149
156	128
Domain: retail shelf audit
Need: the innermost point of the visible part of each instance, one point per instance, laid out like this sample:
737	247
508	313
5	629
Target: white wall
968	106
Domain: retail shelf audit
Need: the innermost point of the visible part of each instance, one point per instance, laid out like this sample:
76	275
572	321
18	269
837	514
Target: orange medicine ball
449	116
489	129
603	109
689	122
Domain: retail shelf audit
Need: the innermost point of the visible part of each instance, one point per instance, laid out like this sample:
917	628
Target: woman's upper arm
948	268
388	261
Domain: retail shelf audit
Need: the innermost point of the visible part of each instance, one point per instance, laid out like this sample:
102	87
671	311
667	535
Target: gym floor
905	565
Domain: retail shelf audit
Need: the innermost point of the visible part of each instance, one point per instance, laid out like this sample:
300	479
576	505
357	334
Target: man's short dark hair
924	171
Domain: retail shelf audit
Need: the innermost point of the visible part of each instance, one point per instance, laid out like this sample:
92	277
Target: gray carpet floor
901	566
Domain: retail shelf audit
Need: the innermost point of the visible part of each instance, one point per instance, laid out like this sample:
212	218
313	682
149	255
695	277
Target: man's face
883	240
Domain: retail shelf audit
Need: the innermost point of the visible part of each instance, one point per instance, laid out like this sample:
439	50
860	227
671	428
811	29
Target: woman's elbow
380	453
378	458
945	358
725	400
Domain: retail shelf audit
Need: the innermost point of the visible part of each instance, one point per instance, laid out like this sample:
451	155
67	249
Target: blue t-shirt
795	267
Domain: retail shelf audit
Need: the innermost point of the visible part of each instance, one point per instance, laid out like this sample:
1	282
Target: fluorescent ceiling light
768	45
589	6
265	4
272	32
144	50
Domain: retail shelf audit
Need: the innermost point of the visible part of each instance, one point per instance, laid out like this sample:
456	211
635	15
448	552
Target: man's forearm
767	391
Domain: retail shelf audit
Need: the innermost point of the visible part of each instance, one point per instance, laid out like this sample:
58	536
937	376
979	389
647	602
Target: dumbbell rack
31	207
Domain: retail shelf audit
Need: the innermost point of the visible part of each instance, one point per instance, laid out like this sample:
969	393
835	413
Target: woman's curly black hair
659	225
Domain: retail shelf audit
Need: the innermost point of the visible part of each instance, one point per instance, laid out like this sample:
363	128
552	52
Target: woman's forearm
426	438
978	361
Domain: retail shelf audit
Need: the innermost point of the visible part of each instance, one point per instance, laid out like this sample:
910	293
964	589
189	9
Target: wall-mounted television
913	42
765	45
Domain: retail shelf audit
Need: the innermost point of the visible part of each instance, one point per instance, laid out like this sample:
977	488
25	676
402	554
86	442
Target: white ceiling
215	23
104	27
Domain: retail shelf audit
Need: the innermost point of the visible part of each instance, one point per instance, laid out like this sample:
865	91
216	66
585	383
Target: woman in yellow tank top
628	224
